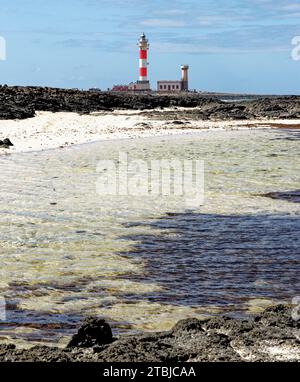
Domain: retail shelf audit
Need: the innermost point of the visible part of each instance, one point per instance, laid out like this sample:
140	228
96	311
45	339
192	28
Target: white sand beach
54	130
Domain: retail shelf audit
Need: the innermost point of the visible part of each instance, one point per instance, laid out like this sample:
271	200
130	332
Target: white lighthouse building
143	83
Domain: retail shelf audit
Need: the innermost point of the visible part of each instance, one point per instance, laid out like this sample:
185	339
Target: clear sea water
67	252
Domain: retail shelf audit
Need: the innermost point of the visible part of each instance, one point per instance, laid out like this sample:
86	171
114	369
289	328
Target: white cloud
291	7
217	20
206	48
189	48
171	12
163	23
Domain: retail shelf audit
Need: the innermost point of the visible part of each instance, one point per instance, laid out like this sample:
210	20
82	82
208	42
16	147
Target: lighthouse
143	83
143	53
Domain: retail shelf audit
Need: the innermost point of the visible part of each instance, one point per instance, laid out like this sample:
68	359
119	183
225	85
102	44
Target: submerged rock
291	196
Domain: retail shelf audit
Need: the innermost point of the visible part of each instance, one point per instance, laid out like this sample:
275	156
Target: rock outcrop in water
22	102
271	336
291	196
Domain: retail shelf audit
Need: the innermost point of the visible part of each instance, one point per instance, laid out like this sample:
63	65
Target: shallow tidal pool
67	252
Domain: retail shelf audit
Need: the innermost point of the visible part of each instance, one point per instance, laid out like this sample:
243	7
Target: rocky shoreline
273	335
23	102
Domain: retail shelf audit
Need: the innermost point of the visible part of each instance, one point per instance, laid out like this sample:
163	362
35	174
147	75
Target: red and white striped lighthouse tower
143	52
144	46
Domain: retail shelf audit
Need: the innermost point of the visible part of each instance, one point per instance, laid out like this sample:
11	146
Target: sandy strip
53	130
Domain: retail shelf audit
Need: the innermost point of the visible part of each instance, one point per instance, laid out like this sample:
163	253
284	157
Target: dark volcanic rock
22	102
7	142
188	325
271	336
92	332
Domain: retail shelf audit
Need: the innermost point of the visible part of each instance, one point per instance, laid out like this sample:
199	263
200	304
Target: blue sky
230	45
